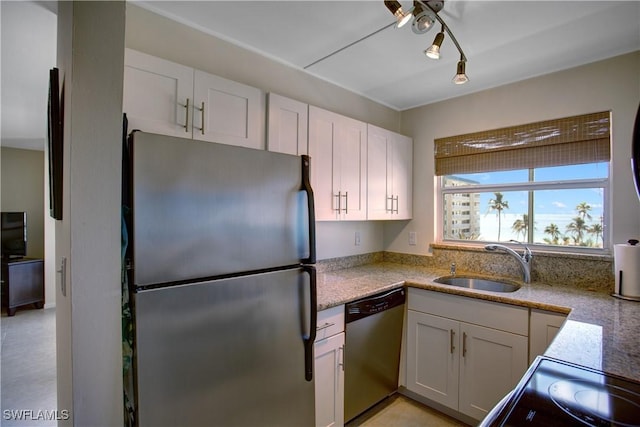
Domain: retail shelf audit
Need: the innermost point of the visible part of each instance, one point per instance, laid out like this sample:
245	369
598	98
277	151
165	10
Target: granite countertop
601	332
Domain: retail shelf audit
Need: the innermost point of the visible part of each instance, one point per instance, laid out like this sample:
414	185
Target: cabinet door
379	201
287	122
389	176
227	112
544	326
491	364
432	357
323	175
338	150
401	180
156	93
329	381
350	160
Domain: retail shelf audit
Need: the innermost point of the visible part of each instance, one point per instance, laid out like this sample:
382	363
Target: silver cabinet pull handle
464	344
397	205
186	120
339	198
341	357
386	204
325	326
201	128
346	202
452	336
202	112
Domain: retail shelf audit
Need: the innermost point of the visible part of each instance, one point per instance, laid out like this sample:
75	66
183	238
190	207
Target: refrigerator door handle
313	322
306	187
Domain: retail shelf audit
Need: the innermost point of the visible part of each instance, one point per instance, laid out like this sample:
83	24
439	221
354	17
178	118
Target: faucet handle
527	254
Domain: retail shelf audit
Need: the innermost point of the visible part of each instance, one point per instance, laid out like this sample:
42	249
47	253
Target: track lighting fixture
425	14
396	9
461	76
434	51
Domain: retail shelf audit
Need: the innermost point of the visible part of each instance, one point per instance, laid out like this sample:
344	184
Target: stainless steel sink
477	283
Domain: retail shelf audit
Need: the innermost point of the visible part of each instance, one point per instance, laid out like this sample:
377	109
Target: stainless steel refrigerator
222	284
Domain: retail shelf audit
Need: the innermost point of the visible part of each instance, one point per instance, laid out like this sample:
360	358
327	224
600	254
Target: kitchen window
542	183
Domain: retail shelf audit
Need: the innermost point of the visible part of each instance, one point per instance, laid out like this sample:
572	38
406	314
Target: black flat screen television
14	234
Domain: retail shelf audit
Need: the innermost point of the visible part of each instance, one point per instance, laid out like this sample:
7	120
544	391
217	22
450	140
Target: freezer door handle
306	187
313	322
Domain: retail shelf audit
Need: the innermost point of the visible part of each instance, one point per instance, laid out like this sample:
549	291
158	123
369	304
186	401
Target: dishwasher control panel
374	304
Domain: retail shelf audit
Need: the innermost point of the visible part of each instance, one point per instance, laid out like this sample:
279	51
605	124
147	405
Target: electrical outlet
413	238
357	239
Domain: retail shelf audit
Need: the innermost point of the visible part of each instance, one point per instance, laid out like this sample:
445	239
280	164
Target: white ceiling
504	41
28	53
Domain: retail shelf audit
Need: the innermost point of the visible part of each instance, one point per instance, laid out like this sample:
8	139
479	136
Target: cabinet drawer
330	322
491	314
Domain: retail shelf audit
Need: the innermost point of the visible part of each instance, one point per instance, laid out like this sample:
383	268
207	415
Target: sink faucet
524	259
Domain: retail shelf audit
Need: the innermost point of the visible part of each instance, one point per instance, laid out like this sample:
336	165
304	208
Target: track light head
460	77
425	15
434	51
396	10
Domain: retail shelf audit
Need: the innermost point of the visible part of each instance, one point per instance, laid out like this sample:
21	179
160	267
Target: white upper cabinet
287	123
228	112
163	97
156	93
338	150
390	174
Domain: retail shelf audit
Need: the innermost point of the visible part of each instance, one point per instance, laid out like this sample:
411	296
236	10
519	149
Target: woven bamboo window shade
566	141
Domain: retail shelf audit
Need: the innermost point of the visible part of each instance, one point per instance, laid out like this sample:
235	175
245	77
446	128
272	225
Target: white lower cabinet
544	327
329	367
455	355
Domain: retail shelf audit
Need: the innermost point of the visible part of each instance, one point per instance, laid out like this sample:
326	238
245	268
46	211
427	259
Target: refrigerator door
202	209
227	352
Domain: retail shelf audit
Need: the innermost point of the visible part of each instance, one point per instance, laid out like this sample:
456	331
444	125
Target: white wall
23	190
156	35
88	321
613	84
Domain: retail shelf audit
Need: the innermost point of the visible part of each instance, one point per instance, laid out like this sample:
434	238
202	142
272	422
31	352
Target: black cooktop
557	393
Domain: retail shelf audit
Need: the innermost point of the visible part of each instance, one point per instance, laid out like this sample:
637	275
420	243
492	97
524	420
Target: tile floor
400	411
28	368
28	378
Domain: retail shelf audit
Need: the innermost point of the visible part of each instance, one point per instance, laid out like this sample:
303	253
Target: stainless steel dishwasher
372	350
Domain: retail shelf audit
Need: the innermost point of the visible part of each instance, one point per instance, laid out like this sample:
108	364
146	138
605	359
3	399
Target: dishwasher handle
374	304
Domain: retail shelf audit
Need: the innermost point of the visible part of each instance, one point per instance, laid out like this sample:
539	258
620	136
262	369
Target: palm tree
596	230
554	231
498	205
577	228
583	210
521	226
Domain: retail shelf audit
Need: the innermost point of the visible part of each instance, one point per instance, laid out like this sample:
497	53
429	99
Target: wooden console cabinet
22	283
